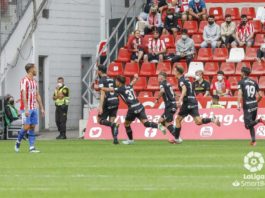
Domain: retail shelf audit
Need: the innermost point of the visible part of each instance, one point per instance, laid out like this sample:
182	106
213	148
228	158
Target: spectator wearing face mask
228	29
215	103
12	116
244	33
221	87
201	86
156	49
211	34
261	53
171	24
153	21
185	48
197	10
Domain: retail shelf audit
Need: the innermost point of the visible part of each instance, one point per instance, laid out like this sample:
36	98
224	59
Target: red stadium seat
140	84
115	69
173	81
255	78
171	51
153	84
217	12
219	23
260	39
234	82
251	53
182	64
191	26
156	94
202	25
257	26
164	67
148	69
240	65
169	40
249	11
128	81
234	12
211	68
198	39
145	94
220	54
228	68
258	69
124	55
262	82
131	69
205	54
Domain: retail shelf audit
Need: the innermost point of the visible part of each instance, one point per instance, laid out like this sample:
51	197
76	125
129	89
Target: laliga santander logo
150	132
95	132
253	161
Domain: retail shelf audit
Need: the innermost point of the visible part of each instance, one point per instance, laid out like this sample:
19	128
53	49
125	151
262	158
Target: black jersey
249	90
127	94
169	94
190	95
111	99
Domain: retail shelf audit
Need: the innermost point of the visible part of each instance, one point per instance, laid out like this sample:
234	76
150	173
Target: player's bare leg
199	121
128	129
168	125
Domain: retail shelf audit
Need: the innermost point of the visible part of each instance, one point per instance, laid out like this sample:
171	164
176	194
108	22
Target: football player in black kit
169	97
109	102
135	108
247	91
188	105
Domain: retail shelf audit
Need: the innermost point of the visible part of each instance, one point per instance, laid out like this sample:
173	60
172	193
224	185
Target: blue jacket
197	8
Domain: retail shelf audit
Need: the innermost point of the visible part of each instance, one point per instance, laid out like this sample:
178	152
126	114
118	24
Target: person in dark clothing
171	24
261	53
11	112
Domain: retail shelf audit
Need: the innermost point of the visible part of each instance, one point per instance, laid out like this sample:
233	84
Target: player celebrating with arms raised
30	96
188	105
247	91
169	97
135	108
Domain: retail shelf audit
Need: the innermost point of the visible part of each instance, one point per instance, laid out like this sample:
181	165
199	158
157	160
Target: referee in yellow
61	99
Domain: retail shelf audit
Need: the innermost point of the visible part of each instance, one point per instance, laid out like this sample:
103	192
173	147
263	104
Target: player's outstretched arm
106	89
161	92
136	77
102	97
239	98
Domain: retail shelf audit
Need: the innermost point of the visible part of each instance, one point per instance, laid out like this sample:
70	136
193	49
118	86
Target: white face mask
197	78
219	77
184	37
170	16
59	84
197	1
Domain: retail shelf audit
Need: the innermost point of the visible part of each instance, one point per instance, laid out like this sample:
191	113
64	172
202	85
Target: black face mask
211	22
228	22
11	102
243	23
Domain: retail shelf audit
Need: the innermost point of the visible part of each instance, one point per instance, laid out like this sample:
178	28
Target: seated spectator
201	86
211	34
261	53
244	33
171	24
11	113
160	4
228	29
181	9
197	10
156	49
153	21
135	46
221	87
185	48
215	102
144	15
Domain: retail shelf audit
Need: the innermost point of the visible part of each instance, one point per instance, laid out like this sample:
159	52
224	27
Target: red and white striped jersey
30	87
156	45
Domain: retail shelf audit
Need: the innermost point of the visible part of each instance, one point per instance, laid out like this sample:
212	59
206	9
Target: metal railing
128	22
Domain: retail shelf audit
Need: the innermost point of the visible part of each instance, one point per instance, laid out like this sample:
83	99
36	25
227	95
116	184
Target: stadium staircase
16	31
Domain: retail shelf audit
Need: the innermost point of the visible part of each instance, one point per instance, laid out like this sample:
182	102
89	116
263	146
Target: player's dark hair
180	69
121	79
228	15
102	68
221	72
243	16
60	78
211	17
184	31
162	74
29	66
246	71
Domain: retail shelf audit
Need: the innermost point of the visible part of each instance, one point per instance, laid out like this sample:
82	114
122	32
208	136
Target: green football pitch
79	168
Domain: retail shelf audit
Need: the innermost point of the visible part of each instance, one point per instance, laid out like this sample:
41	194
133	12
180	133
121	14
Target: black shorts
189	109
168	114
152	57
108	113
250	115
132	114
